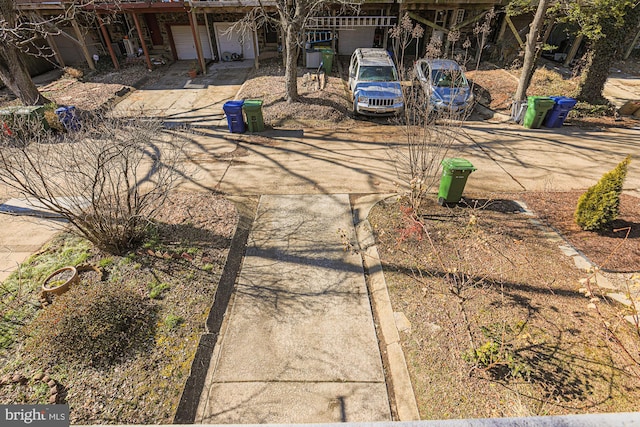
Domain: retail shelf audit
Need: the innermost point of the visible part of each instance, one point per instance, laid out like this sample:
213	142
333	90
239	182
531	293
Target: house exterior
155	31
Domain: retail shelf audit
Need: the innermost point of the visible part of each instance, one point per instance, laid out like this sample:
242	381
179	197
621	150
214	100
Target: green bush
96	325
599	206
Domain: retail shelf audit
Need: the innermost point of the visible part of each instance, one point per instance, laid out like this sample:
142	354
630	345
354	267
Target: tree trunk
15	75
602	54
599	59
291	69
530	52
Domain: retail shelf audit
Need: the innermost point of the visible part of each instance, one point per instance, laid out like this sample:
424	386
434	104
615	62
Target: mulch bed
617	249
494	283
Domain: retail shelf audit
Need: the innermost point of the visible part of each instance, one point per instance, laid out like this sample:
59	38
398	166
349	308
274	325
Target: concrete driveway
362	159
178	100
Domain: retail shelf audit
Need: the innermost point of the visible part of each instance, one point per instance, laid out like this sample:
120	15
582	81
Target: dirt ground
494	88
611	250
323	100
497	326
183	263
85	89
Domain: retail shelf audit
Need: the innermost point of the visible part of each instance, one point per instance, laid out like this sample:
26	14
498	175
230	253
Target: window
377	74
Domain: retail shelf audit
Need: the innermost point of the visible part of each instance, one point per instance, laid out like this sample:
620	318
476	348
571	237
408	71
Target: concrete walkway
25	229
179	100
299	344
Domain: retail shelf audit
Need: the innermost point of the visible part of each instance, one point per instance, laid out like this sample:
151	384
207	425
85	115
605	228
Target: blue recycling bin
235	120
558	113
68	117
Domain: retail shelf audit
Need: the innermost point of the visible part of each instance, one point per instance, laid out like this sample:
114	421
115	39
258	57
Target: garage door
233	42
351	39
185	46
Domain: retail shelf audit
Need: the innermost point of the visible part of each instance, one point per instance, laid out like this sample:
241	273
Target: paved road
508	157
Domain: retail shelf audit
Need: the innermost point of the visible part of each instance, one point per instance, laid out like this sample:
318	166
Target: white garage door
185	46
351	39
233	42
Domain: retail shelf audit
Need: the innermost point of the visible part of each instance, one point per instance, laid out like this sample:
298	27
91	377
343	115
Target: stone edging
56	390
406	407
581	261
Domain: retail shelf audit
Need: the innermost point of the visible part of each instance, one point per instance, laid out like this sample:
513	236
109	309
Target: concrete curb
190	399
401	388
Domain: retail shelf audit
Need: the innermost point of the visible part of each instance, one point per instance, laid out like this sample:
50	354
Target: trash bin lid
457	163
251	104
234	104
565	101
540	101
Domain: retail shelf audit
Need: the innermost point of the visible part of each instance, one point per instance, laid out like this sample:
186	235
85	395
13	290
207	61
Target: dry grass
175	275
492	279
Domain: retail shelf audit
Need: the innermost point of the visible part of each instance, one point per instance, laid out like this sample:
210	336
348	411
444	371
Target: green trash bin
455	172
327	60
253	110
537	108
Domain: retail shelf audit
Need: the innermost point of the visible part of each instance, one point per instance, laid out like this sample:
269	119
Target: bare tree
23	33
107	179
292	19
530	58
429	133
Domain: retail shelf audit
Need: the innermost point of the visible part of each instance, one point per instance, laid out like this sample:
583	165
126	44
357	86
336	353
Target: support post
633	44
83	44
107	40
193	22
514	31
142	42
56	51
574	49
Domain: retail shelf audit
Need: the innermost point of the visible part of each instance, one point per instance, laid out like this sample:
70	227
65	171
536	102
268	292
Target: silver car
445	86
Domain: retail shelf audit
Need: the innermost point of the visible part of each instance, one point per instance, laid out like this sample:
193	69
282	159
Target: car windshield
377	74
448	78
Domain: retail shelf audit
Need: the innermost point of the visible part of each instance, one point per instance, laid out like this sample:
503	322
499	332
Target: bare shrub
107	179
73	73
98	325
428	133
